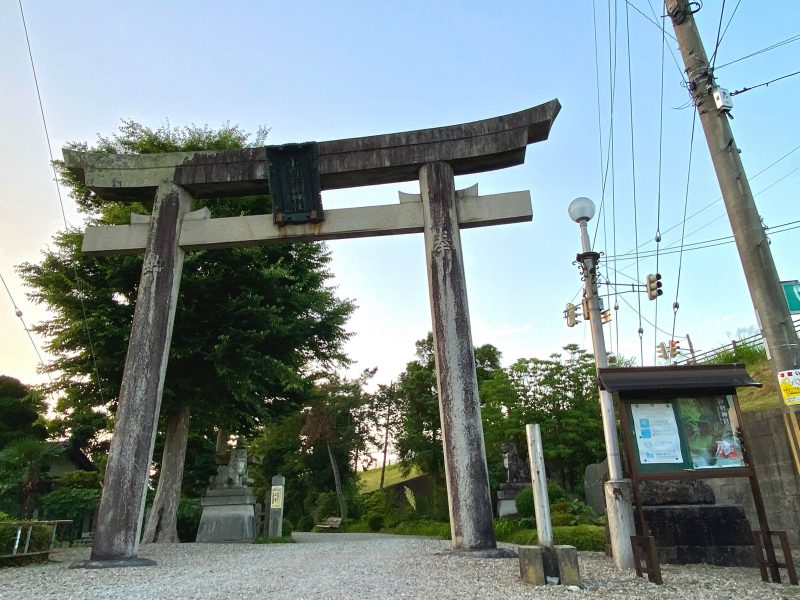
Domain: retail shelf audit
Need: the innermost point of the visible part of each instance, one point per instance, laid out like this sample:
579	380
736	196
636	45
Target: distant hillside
369	481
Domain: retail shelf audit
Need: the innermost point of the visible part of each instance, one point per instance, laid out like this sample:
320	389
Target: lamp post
619	511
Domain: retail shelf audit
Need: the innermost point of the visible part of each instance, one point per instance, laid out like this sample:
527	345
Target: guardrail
29	525
753	341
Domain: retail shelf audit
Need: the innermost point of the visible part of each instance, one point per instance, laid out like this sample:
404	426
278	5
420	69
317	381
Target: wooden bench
330	523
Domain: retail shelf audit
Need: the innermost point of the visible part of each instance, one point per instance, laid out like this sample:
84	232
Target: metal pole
617	490
544	526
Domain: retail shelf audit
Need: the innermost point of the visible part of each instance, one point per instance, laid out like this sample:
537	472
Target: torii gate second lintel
434	156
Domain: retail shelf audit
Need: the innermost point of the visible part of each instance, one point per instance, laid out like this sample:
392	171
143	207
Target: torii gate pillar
469	497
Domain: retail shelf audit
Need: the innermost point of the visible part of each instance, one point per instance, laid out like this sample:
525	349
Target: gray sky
324	70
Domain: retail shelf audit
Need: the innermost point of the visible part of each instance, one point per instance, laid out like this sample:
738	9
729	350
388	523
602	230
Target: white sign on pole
276	499
789	382
656	430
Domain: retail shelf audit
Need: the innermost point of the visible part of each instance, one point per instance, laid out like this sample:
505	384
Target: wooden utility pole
772	312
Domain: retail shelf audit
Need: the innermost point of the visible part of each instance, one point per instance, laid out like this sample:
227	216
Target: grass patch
583	537
422	527
370	481
286	539
763	398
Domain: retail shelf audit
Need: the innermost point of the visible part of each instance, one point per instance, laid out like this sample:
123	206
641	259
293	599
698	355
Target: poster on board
656	432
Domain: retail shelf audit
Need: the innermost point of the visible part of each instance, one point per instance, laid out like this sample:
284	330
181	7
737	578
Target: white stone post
541	502
459	407
119	519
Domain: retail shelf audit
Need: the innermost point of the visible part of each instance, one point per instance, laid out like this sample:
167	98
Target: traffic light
569	313
674	348
653	286
662	350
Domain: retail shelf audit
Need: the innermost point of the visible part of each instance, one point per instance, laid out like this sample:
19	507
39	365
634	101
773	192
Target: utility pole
619	510
691	349
713	105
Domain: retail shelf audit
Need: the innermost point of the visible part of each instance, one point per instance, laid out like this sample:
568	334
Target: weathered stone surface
340	223
593	478
462	432
484	145
531	565
665	493
569	571
227	523
121	509
719	535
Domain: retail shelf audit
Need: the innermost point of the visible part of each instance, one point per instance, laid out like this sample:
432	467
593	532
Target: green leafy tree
559	393
23	464
21	410
249	323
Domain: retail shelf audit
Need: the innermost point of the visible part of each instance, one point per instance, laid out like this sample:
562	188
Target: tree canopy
250	322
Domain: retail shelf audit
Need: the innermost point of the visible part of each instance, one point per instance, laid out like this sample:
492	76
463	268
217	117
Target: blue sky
322	70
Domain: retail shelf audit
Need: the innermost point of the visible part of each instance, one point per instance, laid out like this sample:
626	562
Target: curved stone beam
485	145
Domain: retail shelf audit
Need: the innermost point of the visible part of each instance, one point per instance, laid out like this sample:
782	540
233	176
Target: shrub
306	523
286	527
583	537
560	507
557	519
188	522
424	527
504	527
70	503
525	503
375	521
326	506
40	537
555	492
527	523
89	480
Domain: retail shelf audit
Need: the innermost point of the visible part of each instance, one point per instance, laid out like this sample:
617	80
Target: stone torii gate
295	175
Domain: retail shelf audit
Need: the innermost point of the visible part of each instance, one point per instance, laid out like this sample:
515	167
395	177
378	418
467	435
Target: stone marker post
119	518
459	407
276	506
541	502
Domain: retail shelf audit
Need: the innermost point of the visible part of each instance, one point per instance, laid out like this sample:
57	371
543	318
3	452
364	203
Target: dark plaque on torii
433	156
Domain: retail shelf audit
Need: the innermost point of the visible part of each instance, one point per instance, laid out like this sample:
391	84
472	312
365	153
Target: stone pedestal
228	516
689	527
506	498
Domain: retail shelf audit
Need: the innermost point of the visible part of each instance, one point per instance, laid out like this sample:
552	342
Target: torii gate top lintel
485	145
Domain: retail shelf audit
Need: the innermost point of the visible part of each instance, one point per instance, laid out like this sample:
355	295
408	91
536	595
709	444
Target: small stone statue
233	474
517	469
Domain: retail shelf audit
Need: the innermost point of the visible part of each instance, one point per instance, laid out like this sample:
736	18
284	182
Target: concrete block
531	567
227	523
568	568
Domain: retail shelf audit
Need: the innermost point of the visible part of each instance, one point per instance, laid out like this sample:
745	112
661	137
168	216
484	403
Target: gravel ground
355	567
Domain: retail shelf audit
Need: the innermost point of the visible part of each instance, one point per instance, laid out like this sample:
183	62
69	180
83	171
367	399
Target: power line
747	89
763	50
60	199
719	29
18	313
719	199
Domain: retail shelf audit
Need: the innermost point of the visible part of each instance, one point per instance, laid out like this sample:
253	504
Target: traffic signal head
662	350
674	348
569	314
653	286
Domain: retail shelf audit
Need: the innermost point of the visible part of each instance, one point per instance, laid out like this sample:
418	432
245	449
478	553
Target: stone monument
229	503
518	477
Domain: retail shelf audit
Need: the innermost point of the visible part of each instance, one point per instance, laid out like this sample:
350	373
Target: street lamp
619	512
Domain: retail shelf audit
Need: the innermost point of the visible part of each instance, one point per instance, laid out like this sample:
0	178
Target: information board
656	431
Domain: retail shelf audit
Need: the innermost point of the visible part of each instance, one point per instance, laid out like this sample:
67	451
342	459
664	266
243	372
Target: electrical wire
766	83
719	29
633	174
60	199
18	313
719	199
762	51
675	304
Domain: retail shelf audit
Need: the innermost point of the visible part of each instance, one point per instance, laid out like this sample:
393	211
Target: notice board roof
690	377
